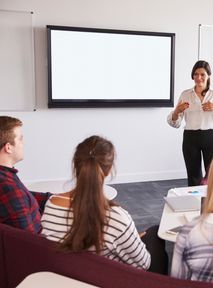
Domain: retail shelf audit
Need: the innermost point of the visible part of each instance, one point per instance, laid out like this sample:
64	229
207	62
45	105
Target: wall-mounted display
90	67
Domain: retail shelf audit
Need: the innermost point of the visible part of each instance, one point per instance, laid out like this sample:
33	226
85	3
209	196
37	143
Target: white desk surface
51	280
171	219
61	186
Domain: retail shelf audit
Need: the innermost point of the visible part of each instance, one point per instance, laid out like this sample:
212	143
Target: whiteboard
17	74
205	49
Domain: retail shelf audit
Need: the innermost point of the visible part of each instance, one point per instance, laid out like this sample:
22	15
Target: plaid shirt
193	252
19	207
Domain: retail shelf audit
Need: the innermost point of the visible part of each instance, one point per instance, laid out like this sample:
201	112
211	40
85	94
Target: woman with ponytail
196	107
85	220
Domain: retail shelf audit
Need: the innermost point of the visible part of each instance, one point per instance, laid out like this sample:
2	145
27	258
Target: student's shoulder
8	187
118	209
189	227
60	201
119	213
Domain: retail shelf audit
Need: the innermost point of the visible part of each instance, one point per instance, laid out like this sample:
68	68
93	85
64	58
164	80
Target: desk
61	186
51	280
172	219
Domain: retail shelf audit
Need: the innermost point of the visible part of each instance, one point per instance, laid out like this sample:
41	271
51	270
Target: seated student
18	207
193	252
83	219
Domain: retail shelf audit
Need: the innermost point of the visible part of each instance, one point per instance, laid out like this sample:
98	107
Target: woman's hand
180	108
141	234
208	106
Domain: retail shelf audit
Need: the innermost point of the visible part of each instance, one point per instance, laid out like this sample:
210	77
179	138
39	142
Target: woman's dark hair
205	65
92	162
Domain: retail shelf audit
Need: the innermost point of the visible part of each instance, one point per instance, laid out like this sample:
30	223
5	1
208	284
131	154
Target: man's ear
7	148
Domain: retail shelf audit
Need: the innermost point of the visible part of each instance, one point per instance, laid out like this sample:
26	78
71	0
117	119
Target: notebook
183	203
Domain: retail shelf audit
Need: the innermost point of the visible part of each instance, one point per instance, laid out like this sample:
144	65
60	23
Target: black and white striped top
122	241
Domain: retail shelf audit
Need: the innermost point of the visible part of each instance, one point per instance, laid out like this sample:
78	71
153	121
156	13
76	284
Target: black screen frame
104	103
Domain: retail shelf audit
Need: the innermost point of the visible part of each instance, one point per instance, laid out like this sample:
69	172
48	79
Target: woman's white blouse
194	116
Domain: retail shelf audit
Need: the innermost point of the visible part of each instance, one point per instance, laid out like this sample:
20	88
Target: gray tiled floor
144	200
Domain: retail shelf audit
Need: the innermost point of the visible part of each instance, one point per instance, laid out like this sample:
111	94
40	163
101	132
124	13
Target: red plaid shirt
19	207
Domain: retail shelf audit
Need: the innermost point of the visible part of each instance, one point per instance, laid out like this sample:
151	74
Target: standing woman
84	219
196	107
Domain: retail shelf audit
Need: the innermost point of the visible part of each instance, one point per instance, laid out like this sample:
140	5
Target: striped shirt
122	241
193	252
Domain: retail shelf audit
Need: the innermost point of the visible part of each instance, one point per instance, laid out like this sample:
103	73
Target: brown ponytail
92	162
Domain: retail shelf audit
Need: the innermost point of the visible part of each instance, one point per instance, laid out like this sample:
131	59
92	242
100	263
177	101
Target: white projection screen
90	67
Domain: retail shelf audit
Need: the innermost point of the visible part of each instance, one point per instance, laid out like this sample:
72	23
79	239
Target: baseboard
148	176
118	179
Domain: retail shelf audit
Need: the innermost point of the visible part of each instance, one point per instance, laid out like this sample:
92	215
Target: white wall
147	148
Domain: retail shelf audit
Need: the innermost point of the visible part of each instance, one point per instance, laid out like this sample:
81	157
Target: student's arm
41	198
130	249
18	210
179	268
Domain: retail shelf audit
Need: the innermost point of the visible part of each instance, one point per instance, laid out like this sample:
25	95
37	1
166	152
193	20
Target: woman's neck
199	90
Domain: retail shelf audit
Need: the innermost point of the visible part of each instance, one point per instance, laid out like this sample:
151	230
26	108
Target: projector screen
90	67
